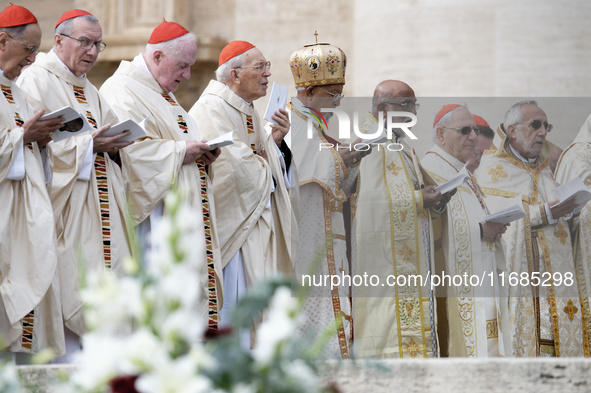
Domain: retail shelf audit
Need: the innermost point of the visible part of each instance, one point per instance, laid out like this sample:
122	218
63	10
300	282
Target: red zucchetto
71	14
15	15
480	121
233	49
167	31
443	111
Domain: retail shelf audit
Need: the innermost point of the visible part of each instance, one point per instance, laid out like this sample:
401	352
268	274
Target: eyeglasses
407	105
259	68
87	44
536	124
30	49
465	130
335	96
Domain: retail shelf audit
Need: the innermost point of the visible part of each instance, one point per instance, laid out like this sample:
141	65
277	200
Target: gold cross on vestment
497	173
571	310
393	168
316	35
405	252
561	234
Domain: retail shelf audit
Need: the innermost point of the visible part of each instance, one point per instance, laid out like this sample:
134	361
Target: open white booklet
74	123
456	181
277	100
575	188
513	212
222	140
138	130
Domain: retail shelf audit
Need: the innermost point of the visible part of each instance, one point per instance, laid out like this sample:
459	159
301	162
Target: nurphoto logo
392	119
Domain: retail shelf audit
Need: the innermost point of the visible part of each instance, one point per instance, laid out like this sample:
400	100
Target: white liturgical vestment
30	311
89	207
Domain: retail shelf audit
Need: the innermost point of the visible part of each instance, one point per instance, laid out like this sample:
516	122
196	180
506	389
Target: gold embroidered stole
332	202
407	258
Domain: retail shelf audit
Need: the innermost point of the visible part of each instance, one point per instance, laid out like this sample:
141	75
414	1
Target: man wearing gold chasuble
545	311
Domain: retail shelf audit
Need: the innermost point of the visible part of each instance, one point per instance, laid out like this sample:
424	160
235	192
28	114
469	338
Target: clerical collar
52	52
453	161
3	74
140	62
522	158
242	99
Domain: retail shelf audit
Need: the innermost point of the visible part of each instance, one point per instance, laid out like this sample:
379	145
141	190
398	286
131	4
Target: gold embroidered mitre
317	65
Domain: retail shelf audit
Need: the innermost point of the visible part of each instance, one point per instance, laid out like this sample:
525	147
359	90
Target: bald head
393	95
393	88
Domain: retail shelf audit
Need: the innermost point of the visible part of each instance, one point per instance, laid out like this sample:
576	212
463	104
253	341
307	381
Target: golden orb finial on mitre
318	64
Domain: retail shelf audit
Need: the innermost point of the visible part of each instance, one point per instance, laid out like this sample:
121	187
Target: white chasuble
545	315
151	165
325	185
30	311
249	215
394	239
89	213
576	161
473	308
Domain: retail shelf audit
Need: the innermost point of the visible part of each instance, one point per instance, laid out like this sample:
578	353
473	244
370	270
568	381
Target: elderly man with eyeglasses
251	177
545	307
470	245
30	311
86	187
396	204
328	179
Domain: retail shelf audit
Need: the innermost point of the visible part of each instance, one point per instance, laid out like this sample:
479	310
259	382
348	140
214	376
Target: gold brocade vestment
394	238
545	319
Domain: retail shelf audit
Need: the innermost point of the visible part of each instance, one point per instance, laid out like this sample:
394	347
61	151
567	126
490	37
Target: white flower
97	364
279	327
161	256
143	352
201	358
178	376
9	379
185	324
180	284
111	301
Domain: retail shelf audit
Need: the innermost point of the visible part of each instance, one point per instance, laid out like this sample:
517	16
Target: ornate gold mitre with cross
318	64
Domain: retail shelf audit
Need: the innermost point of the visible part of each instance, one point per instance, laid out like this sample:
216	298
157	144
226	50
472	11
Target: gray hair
172	47
513	115
66	26
446	119
222	74
15	31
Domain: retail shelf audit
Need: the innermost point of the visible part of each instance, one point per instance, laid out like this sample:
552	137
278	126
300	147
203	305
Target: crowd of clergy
264	206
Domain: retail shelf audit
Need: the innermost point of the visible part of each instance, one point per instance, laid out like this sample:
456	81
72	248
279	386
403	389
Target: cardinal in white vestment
86	186
471	245
172	151
254	216
30	311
